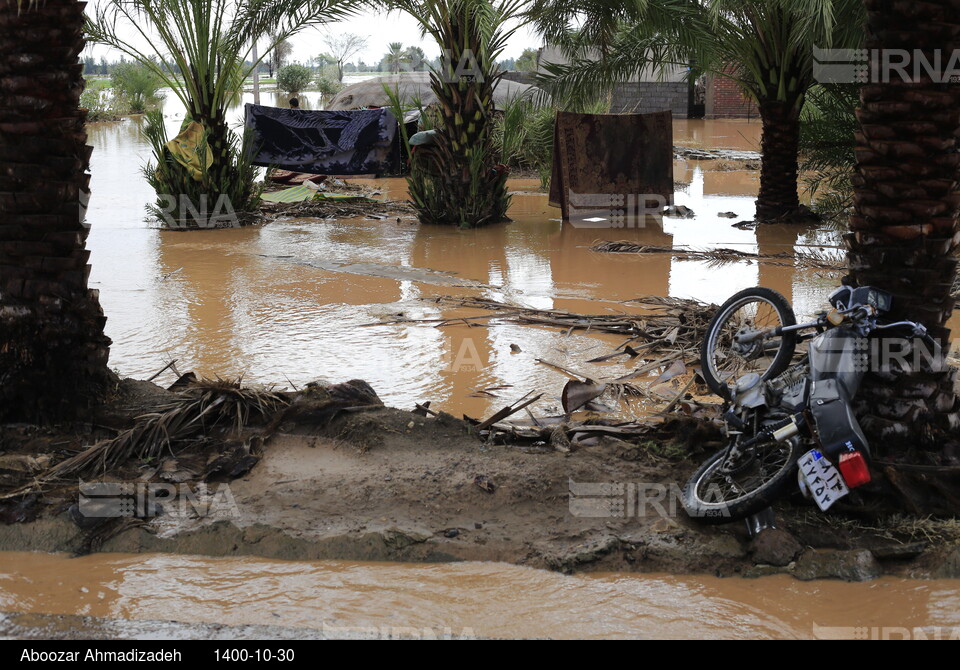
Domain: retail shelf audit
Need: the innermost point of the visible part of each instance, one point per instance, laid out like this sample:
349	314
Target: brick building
725	100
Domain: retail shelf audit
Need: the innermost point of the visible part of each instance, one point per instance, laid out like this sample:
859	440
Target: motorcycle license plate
824	481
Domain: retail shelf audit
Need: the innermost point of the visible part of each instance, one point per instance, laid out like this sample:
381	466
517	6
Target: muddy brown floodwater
285	303
288	302
343	599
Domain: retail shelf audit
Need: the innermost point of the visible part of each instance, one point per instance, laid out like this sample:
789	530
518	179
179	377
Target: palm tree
766	46
53	351
416	58
462	183
209	42
905	228
396	57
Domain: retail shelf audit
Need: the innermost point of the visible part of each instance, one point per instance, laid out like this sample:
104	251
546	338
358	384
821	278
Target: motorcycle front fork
762	520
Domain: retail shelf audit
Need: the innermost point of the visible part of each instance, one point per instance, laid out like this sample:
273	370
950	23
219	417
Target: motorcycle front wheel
723	360
714	496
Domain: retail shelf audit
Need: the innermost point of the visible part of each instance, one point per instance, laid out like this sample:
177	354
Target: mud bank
383	484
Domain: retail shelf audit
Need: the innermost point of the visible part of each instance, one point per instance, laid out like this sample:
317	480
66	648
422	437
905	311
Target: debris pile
662	339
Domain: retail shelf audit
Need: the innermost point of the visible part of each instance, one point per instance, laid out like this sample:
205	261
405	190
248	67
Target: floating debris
813	259
340	209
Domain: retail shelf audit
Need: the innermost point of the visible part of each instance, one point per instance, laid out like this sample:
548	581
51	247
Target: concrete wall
649	97
521	77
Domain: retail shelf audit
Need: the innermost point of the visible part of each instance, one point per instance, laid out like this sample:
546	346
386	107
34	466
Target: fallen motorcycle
783	417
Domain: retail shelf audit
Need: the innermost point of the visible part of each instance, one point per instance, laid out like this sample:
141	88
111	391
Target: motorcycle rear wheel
713	497
754	308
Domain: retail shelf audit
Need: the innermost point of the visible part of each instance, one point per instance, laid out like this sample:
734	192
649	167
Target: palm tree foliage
207	42
828	125
766	46
459	181
396	57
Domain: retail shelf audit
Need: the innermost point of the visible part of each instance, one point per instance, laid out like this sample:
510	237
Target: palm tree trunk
779	163
905	227
53	352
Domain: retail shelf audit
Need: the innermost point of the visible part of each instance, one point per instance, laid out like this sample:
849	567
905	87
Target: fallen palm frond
813	259
666	320
205	405
339	209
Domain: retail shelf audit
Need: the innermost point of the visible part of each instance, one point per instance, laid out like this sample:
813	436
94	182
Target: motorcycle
782	417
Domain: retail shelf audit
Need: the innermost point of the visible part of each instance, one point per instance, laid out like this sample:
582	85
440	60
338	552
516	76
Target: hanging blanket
363	141
612	167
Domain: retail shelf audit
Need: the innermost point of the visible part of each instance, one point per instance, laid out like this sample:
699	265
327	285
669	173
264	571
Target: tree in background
396	57
416	59
343	47
324	61
281	51
293	78
527	62
138	85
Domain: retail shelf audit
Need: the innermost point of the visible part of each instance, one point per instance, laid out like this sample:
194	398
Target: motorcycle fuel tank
842	355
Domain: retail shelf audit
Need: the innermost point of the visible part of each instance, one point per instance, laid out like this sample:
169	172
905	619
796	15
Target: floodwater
289	302
346	599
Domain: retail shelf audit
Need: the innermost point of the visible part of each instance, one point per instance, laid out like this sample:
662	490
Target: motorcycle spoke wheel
715	496
723	360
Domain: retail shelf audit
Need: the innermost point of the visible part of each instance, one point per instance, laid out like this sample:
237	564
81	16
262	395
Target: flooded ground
341	599
291	301
287	303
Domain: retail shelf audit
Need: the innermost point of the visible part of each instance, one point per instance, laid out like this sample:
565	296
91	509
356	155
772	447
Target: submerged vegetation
137	85
523	134
459	180
208	42
101	104
293	78
132	89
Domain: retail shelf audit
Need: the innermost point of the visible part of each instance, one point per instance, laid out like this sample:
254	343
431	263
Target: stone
855	565
773	546
950	566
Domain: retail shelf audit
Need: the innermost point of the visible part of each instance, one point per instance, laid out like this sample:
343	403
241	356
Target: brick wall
725	100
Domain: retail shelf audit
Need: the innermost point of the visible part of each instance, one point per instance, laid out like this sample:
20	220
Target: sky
379	28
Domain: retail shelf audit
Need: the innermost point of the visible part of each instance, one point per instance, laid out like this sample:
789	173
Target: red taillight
853	467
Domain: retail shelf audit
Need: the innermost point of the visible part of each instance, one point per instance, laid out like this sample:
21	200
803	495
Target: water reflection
288	302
